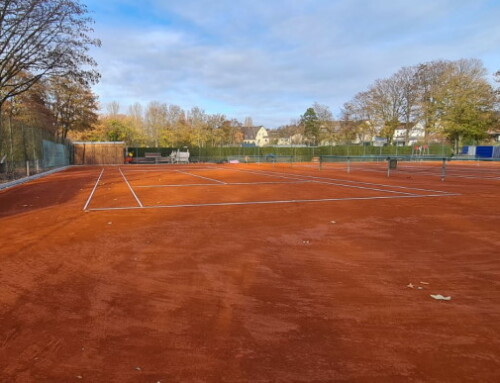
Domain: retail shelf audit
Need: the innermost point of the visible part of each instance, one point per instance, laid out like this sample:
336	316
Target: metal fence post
443	170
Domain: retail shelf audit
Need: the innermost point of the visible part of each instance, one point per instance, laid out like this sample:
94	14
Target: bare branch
40	38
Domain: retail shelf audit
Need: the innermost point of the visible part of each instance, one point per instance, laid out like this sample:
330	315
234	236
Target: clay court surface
251	273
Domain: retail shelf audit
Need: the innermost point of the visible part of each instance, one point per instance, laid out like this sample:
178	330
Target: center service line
130	187
93	190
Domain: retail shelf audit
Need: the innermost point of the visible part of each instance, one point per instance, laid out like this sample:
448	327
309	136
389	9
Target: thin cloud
271	60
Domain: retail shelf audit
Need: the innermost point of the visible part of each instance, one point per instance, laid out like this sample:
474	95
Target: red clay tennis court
252	273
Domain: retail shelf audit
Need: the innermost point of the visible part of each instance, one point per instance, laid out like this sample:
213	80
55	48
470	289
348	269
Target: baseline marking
206	178
130	187
93	190
271	202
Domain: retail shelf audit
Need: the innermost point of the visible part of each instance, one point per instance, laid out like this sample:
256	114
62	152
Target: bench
154	157
176	157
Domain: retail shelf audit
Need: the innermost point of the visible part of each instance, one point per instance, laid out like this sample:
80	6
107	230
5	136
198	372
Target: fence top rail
98	142
326	158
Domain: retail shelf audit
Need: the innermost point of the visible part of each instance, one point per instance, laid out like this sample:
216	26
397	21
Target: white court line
450	174
93	190
352	186
130	187
271	202
475	170
363	183
427	172
452	171
472	171
206	178
166	170
337	184
175	185
363	187
228	184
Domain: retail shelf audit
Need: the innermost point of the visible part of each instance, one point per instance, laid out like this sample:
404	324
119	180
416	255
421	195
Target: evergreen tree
311	124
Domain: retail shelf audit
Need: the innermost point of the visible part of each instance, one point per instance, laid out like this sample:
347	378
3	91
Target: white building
255	136
415	135
296	139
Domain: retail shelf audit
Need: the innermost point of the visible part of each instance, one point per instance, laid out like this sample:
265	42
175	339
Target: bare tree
248	122
198	121
40	38
113	108
387	104
136	113
406	78
156	120
214	122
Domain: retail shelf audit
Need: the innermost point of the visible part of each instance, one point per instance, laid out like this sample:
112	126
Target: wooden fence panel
98	153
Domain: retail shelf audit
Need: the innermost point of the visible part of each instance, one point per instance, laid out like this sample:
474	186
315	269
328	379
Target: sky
272	59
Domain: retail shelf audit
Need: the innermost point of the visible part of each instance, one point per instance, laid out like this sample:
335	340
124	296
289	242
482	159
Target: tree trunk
10	166
1	132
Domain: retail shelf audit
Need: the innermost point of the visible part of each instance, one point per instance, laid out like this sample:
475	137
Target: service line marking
227	184
167	170
335	183
272	202
427	172
355	182
130	187
206	178
93	190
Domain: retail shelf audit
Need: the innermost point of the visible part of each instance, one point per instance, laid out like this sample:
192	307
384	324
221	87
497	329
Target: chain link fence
27	151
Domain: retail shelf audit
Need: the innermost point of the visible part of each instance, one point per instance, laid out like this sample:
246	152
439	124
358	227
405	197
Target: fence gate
98	153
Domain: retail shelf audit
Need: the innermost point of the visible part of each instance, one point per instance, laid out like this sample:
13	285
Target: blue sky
272	59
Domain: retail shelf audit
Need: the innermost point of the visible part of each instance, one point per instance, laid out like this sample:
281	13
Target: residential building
255	136
416	134
296	139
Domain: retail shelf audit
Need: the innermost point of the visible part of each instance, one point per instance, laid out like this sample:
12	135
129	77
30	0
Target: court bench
153	157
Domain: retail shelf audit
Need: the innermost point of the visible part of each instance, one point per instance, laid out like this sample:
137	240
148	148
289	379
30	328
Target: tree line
449	100
165	125
46	72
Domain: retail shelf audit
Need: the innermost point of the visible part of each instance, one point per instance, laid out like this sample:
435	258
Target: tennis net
435	166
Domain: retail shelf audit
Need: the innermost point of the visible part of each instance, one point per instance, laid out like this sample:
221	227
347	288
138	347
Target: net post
388	166
348	165
320	165
27	168
443	169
